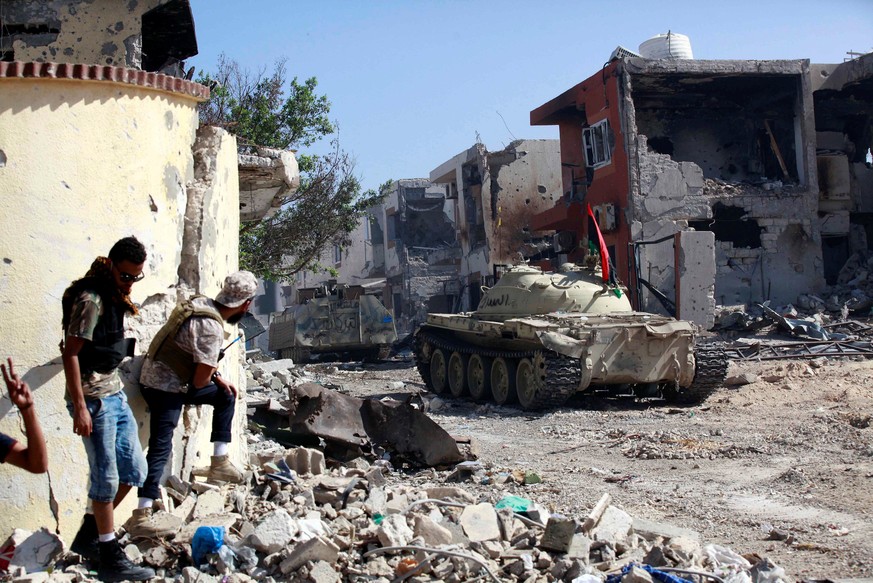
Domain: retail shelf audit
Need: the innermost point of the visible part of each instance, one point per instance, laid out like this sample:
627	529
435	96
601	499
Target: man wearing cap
181	368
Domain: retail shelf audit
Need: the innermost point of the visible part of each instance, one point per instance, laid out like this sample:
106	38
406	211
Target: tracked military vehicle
539	338
333	318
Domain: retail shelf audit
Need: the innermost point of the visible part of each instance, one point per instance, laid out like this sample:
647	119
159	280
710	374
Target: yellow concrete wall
94	32
87	163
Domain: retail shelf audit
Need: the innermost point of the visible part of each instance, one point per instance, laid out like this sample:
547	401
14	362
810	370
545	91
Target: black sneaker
115	566
85	543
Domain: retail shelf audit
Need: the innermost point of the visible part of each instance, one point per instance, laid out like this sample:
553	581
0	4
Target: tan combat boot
146	523
221	471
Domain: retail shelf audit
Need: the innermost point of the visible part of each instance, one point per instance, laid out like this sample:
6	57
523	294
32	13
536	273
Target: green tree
263	109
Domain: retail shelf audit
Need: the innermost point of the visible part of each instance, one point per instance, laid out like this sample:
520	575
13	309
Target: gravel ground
781	467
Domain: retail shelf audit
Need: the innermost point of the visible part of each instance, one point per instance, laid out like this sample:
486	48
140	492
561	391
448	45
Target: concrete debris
745	378
33	551
361	519
360	425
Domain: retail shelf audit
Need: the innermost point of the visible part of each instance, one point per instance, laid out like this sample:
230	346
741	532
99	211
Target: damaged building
148	35
267	177
495	194
95	145
414	247
704	176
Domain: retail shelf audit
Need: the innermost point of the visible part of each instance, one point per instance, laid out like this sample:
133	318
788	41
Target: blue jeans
114	453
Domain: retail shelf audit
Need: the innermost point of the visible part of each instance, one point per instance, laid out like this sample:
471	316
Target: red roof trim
80	72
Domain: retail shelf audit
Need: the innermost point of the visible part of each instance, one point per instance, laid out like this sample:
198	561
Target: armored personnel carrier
538	338
333	318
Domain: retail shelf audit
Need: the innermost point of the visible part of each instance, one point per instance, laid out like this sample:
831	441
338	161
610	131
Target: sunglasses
128	278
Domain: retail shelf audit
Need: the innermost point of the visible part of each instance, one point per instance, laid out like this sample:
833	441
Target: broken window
741	127
729	223
393	224
167	36
598	142
31	34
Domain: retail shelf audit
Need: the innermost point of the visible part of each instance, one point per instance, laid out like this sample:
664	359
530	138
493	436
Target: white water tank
670	45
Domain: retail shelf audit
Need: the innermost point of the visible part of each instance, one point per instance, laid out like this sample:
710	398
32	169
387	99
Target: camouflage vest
164	348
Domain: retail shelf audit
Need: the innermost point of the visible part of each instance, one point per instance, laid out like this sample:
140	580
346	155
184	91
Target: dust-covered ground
781	467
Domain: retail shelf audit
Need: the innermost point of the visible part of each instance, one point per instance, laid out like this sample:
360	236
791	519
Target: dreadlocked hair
98	279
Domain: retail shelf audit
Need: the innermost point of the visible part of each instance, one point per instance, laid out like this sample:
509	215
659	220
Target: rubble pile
854	287
676	446
300	520
812	316
304	516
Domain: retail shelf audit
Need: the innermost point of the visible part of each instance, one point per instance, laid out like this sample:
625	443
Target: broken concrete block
450	493
394	531
558	535
432	533
490	548
378	567
396	504
650	530
580	547
274	532
177	488
377	499
208	503
304	460
480	522
375	477
636	575
184	509
35	551
286	377
133	553
261	369
194	575
741	379
201	487
314	549
323	572
614	525
685	549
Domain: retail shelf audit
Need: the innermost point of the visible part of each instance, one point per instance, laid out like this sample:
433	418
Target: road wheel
530	382
479	377
503	381
438	371
458	374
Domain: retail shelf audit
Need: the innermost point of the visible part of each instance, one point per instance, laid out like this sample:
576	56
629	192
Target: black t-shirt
6	444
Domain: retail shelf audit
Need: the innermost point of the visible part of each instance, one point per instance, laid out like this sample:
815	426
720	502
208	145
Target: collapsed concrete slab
362	424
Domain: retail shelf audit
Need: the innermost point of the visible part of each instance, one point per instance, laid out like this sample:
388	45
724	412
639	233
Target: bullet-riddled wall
87	156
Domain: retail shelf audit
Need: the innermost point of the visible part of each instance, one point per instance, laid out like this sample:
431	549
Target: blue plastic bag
207	539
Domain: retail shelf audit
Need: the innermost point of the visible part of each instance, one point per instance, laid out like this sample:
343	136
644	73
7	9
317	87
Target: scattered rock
480	522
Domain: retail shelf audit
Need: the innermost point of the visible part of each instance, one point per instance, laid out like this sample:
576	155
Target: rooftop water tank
671	45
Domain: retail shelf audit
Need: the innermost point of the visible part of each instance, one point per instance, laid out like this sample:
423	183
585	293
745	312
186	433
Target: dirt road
782	467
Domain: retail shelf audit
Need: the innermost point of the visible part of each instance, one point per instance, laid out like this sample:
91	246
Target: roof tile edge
83	72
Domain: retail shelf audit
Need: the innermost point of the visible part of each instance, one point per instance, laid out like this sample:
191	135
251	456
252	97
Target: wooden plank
775	147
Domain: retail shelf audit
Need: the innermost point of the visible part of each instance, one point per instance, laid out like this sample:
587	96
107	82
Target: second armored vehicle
539	338
334	318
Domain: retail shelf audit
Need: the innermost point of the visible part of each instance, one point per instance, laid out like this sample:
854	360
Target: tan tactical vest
164	348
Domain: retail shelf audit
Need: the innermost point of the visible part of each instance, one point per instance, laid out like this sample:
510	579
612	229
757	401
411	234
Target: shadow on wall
36	377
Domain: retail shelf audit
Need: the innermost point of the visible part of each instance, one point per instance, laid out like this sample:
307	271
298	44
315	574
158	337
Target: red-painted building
589	118
765	157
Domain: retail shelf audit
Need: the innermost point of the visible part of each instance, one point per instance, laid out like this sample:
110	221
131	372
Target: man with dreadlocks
94	346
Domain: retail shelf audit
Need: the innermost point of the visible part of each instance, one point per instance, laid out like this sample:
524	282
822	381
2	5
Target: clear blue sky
411	82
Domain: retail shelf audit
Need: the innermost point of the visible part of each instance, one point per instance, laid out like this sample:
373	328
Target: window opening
598	142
